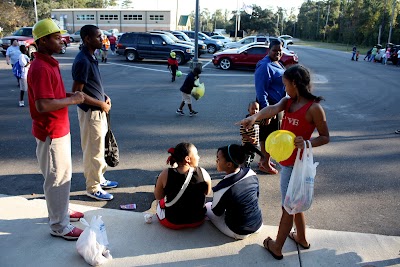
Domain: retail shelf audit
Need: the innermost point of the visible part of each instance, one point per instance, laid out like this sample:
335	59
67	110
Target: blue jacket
268	81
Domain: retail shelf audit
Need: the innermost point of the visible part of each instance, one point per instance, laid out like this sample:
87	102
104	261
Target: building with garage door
125	20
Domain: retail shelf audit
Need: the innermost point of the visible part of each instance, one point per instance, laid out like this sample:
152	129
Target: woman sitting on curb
188	210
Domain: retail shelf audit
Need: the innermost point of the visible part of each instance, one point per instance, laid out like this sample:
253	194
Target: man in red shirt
48	104
113	42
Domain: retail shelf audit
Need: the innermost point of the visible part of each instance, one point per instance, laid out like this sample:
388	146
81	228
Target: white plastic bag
92	243
299	195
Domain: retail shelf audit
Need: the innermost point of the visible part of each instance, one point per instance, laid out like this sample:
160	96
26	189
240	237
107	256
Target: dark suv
212	45
140	45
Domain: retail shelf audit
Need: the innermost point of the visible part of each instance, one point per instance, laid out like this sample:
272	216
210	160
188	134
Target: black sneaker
180	112
192	113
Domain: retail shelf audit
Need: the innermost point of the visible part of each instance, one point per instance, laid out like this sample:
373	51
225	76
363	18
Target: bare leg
21	95
182	105
300	236
285	226
190	107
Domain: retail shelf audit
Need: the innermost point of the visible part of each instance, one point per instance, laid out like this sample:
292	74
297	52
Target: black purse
111	153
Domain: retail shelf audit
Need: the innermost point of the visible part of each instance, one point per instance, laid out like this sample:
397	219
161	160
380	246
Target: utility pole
317	32
391	22
327	17
36	15
382	24
195	63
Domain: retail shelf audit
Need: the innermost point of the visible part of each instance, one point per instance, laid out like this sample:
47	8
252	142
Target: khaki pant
54	157
93	128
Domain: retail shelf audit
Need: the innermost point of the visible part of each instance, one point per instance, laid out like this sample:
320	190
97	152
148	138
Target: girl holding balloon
302	115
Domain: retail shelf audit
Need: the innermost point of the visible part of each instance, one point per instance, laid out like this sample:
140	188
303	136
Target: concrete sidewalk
25	241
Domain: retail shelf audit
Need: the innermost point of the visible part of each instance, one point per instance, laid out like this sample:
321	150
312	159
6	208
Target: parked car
287	38
24	36
202	47
212	45
179	41
248	56
221	38
246	40
139	45
75	37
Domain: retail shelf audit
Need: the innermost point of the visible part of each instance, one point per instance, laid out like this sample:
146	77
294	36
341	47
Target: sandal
271	170
291	236
265	244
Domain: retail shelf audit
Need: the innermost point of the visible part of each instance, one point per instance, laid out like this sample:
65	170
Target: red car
248	56
24	35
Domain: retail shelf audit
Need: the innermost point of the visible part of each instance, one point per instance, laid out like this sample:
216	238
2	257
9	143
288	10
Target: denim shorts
286	171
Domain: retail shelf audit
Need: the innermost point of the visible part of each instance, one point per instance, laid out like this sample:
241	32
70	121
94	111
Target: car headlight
189	50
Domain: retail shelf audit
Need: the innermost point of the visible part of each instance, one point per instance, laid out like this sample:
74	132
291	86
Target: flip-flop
291	236
265	244
269	171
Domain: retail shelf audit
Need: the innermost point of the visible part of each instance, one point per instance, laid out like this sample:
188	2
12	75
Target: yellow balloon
280	144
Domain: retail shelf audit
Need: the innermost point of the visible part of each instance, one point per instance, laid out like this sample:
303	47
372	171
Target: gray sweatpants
54	157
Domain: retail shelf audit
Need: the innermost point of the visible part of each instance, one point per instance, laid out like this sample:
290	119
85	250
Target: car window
144	40
128	38
257	50
261	39
248	40
190	34
179	37
156	40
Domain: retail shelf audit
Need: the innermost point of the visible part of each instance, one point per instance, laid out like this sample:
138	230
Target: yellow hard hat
172	54
45	27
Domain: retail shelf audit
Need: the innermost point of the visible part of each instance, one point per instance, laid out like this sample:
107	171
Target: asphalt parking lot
357	181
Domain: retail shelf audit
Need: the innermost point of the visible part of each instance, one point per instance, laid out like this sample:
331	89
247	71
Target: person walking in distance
12	54
48	105
270	90
104	48
92	114
113	42
24	62
172	65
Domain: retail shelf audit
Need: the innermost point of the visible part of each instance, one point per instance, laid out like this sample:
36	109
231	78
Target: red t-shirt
296	123
112	39
45	82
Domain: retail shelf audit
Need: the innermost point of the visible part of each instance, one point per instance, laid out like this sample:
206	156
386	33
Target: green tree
13	17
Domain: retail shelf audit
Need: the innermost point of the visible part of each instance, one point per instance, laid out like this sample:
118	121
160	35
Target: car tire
72	39
211	48
131	55
31	49
180	58
225	63
63	48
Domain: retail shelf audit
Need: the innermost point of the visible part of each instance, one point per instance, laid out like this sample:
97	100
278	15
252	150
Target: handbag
162	204
111	153
299	195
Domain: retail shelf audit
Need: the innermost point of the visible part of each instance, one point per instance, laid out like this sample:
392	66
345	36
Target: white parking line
166	71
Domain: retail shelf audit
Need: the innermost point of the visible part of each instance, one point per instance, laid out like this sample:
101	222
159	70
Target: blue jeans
286	172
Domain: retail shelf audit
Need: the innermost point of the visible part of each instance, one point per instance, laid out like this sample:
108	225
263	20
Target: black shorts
275	124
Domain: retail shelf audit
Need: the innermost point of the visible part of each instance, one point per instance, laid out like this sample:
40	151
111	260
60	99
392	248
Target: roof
183	20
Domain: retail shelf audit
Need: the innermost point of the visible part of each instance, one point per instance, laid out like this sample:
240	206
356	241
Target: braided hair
302	79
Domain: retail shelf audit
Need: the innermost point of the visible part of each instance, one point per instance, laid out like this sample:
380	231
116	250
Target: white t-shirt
23	60
13	52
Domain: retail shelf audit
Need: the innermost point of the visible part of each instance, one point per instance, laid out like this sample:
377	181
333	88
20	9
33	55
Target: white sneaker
21	104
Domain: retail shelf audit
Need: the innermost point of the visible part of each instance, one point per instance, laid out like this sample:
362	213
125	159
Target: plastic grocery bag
299	195
92	243
199	90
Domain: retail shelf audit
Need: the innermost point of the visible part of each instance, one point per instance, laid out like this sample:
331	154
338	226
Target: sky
186	6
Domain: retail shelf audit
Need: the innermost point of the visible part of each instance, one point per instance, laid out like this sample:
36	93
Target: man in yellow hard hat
48	104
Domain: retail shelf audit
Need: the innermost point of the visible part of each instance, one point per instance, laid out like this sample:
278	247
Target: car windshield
170	35
185	37
167	39
203	35
23	32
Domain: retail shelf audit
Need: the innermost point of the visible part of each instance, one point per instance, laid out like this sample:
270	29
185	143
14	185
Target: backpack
17	70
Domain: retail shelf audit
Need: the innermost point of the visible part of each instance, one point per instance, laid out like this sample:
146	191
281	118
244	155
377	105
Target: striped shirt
253	132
